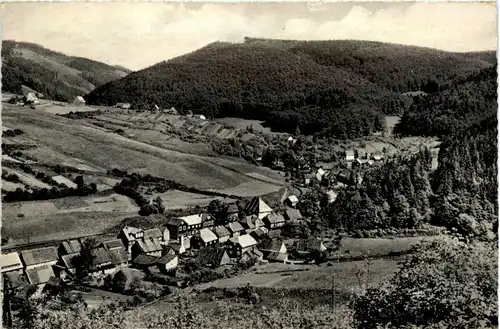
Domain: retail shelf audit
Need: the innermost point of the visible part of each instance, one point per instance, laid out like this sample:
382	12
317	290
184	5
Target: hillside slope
260	79
456	105
55	75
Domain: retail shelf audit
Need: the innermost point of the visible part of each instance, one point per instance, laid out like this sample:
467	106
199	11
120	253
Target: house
101	261
258	208
377	156
291	140
277	257
69	247
259	234
238	245
344	176
148	246
192	223
39	257
331	196
117	252
247	223
320	173
168	263
40	275
79	100
207	237
10	262
144	261
207	220
257	222
292	201
177	227
166	236
349	155
305	246
232	213
235	228
274	220
31	99
68	263
154	233
292	214
129	235
222	233
361	153
172	111
213	257
200	116
268	246
123	105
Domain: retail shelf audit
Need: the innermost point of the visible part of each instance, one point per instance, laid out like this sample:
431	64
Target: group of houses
215	241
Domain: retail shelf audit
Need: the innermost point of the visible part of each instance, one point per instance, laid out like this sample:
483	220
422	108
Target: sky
138	35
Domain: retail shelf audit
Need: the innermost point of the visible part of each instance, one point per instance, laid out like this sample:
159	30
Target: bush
446	282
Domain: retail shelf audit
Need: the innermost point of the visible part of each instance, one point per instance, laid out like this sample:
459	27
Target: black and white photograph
249	165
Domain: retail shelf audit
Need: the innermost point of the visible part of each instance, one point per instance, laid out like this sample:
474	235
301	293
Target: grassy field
27	179
377	246
38	228
65	141
175	199
239	123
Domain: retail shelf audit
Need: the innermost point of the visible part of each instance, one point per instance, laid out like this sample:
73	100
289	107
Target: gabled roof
145	260
308	245
277	256
128	230
234	227
39	256
275	218
244	241
206	217
114	244
258	233
101	256
257	206
166	259
293	198
270	245
293	214
349	152
192	219
211	256
221	231
175	221
247	223
118	256
80	99
39	275
153	233
232	209
207	236
149	245
71	246
10	262
69	260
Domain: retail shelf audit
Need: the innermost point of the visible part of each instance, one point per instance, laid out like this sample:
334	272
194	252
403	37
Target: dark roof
247	223
277	256
293	214
308	245
206	217
175	221
39	256
40	274
153	233
118	256
234	227
149	245
270	245
211	256
221	231
258	233
275	218
257	205
114	244
69	260
101	256
274	234
232	209
145	260
166	259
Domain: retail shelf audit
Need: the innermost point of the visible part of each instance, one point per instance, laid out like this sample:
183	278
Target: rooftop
39	256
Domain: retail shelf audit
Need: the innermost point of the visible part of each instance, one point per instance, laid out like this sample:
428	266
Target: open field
57	226
287	276
65	141
10	186
174	199
239	123
27	179
354	247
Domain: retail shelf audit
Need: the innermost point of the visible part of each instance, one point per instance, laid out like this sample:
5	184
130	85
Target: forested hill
456	105
466	178
53	74
290	83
